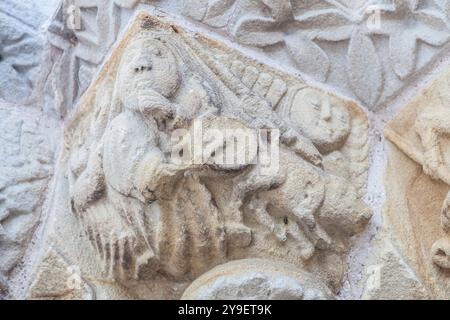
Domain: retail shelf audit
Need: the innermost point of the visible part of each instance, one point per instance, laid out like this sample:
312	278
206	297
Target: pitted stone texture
57	280
147	220
364	48
388	276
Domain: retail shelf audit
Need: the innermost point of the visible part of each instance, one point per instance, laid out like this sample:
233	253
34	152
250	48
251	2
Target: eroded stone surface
136	222
28	135
418	182
389	277
310	34
26	167
144	219
257	279
57	280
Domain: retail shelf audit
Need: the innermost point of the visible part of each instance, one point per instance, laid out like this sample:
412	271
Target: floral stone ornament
367	48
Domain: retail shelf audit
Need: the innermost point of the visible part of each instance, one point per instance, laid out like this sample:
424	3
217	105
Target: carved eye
316	105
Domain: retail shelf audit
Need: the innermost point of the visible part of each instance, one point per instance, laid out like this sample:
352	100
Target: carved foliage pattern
303	27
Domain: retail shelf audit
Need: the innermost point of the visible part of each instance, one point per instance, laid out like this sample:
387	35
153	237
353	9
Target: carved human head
148	63
325	121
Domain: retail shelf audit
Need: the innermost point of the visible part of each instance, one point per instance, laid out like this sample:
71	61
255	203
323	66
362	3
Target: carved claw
125	257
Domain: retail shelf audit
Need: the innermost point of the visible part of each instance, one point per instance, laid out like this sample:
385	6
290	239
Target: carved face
148	64
326	123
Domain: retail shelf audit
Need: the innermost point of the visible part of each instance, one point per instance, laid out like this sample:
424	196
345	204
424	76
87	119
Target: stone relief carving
79	51
309	33
361	47
258	279
151	220
421	132
27	150
25	169
18	43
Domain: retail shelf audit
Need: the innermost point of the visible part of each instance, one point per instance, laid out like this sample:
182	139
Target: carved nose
325	113
441	253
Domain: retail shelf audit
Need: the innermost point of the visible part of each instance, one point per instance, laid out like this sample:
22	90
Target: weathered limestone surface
28	135
389	277
141	219
368	49
93	205
418	178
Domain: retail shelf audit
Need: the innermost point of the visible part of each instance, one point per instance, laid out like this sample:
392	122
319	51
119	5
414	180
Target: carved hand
302	146
157	178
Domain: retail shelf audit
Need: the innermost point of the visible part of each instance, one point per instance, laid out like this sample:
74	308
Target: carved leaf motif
218	12
402	47
433	29
281	10
258	32
327	25
195	9
364	68
319	19
308	56
332	34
